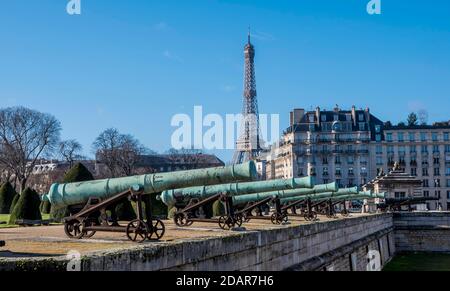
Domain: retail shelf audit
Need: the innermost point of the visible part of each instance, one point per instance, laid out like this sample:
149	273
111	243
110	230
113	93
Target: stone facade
351	146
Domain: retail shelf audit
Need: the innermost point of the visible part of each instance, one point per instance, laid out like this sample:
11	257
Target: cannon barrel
345	194
61	195
171	197
332	187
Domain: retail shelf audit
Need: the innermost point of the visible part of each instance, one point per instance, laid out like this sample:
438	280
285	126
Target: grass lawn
419	262
5	217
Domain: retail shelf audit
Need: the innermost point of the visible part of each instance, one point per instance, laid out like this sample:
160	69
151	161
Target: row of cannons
243	197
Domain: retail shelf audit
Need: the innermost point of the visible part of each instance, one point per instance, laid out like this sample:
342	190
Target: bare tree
118	152
423	117
70	151
25	136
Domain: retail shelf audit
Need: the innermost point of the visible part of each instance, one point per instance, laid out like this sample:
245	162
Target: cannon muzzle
62	195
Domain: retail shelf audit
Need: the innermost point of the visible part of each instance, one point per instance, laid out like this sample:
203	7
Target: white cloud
228	88
161	26
169	55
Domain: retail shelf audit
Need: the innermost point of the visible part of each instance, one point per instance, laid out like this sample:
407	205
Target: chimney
368	115
296	116
318	115
354	115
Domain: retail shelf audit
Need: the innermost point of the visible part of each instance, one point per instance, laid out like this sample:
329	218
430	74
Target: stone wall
422	232
292	247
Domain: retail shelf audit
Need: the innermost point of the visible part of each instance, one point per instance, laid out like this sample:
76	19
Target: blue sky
134	64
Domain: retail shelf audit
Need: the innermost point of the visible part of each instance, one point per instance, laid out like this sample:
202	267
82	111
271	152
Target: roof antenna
249	34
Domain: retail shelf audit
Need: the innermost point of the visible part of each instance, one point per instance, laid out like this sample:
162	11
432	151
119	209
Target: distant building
351	146
48	172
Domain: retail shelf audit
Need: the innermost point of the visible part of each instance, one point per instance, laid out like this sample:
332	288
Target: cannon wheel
226	222
239	220
73	229
310	216
157	230
180	219
88	234
137	231
279	218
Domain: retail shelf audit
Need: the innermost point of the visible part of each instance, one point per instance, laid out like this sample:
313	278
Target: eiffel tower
248	146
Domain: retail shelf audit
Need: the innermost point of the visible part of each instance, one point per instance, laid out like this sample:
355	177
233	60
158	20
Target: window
339	182
351	182
323	117
338	171
426	193
350	148
379	161
377	128
437	194
379	150
363	170
413	149
436	149
447	148
424	149
447	171
338	160
400	195
351	171
361	117
325	160
401	137
412	137
434	136
448	195
325	181
350	160
437	171
325	172
425	172
423	136
446	136
390	149
437	183
448	182
389	137
378	137
336	117
413	172
426	184
401	150
436	161
362	126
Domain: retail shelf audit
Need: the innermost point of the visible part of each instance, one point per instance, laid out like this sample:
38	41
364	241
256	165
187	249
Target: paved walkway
51	241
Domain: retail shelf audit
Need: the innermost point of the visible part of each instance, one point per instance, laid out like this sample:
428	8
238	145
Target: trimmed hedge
218	209
7	194
14	202
27	207
78	173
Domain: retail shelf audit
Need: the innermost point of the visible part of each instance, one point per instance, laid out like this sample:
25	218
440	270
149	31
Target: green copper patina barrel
343	194
62	195
243	199
170	197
